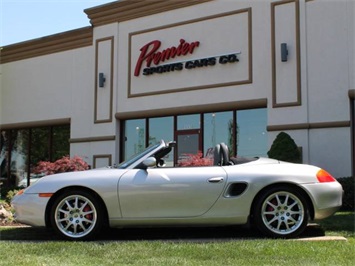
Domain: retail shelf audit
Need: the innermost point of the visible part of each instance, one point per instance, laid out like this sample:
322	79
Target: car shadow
190	234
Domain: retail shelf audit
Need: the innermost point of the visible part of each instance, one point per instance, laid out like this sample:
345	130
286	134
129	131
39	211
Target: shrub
65	164
6	191
10	194
285	149
349	196
195	160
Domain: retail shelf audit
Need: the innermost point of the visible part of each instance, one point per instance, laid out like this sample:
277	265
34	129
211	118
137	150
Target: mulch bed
6	217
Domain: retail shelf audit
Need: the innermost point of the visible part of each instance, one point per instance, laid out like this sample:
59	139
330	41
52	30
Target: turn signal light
20	192
324	176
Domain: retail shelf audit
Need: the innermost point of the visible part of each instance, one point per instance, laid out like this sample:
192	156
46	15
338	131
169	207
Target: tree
65	164
285	149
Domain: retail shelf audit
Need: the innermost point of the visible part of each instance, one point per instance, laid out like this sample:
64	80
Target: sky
23	20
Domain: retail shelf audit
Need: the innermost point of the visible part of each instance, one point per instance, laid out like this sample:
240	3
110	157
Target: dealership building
199	72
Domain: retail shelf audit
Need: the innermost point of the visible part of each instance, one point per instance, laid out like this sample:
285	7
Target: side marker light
45	195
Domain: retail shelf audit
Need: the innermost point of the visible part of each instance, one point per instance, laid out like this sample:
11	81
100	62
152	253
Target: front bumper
326	198
30	209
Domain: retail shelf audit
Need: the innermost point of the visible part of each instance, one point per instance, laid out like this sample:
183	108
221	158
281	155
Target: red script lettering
150	54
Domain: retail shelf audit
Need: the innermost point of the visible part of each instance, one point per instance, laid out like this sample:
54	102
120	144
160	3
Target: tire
281	212
76	215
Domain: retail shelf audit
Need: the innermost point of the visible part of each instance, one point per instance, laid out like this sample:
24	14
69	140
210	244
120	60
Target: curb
322	238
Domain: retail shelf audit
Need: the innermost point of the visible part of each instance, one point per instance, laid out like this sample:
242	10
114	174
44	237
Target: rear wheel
76	215
281	212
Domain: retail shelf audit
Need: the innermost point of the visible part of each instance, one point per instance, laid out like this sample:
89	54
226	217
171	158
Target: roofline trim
60	42
124	10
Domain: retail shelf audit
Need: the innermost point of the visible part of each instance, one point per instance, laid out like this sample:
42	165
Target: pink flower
195	160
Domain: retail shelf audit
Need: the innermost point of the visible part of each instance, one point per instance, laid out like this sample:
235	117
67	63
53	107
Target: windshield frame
134	160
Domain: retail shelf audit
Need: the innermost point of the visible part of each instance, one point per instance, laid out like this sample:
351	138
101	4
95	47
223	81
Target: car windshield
137	156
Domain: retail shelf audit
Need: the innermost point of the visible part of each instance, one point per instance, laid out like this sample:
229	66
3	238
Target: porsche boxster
277	198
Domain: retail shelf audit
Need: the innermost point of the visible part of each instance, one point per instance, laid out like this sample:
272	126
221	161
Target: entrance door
187	142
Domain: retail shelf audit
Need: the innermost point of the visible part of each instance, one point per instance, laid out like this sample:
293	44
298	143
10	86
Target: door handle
215	179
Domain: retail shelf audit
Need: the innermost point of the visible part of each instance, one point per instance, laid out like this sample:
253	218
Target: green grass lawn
185	246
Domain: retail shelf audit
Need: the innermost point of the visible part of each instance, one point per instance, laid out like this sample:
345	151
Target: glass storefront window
19	156
60	142
4	154
134	137
161	128
40	143
22	149
218	127
244	132
188	144
187	122
251	133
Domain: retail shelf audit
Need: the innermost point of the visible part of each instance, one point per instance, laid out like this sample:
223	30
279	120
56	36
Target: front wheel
76	215
281	212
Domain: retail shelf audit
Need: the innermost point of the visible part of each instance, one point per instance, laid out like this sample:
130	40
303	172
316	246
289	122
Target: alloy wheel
282	213
75	216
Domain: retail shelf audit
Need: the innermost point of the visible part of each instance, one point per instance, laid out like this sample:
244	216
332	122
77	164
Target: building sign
150	54
151	58
193	55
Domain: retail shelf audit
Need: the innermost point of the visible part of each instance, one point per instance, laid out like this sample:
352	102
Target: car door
170	192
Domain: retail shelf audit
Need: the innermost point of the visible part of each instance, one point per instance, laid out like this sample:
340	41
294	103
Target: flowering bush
62	165
195	160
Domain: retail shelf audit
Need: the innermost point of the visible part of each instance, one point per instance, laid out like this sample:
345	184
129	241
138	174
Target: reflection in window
20	147
187	144
162	128
60	142
244	132
19	156
251	133
134	137
40	140
4	153
218	127
186	122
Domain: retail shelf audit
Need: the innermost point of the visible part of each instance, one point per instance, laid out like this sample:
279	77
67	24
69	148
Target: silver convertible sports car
278	198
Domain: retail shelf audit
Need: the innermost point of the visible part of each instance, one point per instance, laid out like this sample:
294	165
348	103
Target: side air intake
236	189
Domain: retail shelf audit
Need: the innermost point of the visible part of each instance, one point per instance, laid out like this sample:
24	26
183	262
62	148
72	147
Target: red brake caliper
88	216
270	208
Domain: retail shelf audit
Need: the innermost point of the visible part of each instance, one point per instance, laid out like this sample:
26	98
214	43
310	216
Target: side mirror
149	162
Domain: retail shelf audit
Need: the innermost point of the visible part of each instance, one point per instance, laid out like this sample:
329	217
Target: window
39	140
251	133
218	127
134	137
244	132
186	122
60	136
22	149
19	156
161	128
